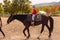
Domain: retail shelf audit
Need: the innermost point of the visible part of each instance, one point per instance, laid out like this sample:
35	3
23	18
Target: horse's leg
42	28
24	31
28	32
49	30
26	28
2	32
41	31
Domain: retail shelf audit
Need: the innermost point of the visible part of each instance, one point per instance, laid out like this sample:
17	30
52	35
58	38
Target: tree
1	9
22	6
6	6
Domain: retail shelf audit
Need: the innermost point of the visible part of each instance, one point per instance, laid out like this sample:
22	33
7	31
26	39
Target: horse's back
28	17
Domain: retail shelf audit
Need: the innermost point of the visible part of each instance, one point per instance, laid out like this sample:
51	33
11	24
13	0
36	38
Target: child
34	12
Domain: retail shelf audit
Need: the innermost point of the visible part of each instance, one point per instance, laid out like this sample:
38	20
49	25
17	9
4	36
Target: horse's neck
20	17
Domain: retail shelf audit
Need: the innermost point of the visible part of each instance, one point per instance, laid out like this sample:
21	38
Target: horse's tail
51	23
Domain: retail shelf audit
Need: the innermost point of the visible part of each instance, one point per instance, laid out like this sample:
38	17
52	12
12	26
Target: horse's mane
21	14
22	17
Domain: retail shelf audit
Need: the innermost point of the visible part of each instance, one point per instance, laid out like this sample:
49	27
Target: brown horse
27	24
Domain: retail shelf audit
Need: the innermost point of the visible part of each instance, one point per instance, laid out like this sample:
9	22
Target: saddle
37	17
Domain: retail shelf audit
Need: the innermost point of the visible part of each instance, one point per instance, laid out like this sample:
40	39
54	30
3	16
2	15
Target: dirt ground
14	31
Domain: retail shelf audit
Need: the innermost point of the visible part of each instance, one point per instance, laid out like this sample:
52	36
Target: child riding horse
27	24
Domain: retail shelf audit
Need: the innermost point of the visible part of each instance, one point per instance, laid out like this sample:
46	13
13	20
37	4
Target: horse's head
10	19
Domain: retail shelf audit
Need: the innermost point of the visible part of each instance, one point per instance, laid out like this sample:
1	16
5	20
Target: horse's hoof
38	38
27	38
24	34
49	36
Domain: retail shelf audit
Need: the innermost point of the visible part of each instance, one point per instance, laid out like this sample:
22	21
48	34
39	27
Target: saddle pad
37	17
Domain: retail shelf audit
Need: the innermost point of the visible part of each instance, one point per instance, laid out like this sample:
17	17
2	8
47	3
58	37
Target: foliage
21	6
53	9
1	9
